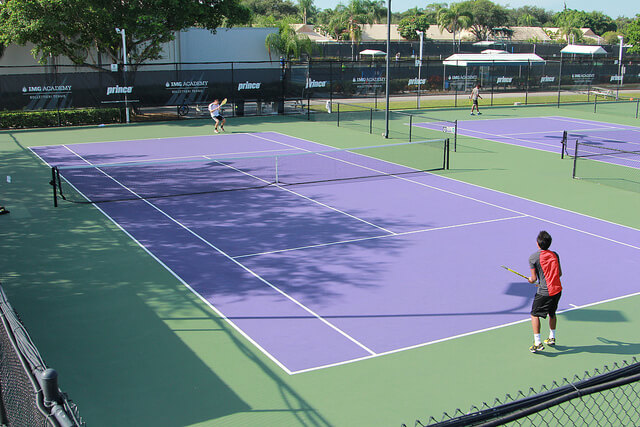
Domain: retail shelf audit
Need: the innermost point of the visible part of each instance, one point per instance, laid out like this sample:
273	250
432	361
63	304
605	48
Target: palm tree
355	15
287	42
305	6
454	18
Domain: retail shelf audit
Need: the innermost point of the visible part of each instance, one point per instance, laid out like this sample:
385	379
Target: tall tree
306	7
454	18
569	23
408	26
346	22
268	13
78	29
486	15
632	33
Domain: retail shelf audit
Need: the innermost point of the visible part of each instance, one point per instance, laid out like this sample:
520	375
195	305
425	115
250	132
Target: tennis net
607	165
95	183
403	125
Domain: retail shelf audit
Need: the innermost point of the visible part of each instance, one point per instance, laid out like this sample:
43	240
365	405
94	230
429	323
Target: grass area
134	347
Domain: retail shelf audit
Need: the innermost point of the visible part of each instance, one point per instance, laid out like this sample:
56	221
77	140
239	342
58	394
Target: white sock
536	339
552	333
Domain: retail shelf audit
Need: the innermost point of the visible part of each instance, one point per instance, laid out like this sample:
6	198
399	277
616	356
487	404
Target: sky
628	8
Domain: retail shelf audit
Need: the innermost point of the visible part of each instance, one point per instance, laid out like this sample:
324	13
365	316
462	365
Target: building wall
192	45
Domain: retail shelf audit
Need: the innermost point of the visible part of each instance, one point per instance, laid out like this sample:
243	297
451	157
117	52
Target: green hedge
43	119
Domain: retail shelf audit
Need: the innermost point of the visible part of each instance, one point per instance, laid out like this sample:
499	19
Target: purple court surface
323	274
545	133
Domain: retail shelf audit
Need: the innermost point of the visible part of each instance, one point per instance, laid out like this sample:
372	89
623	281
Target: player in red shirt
546	270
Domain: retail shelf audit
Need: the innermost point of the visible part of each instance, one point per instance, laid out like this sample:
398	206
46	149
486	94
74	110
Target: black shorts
219	118
543	305
475	101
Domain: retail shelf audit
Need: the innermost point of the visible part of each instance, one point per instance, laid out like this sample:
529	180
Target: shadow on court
103	315
607	347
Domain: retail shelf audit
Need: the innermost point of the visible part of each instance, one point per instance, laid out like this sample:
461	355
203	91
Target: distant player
475	94
216	115
545	268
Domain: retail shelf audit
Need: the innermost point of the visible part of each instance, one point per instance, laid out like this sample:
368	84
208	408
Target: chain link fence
607	397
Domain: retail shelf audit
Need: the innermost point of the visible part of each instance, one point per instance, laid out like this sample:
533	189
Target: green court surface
134	347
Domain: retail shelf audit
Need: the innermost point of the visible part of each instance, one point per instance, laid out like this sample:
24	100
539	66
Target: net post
338	114
637	107
446	154
563	143
53	186
308	106
370	120
410	125
455	136
575	160
595	103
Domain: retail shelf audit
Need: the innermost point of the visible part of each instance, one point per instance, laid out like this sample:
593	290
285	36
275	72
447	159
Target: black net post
563	147
308	106
575	160
526	89
410	125
370	120
446	154
637	107
455	100
455	136
595	103
53	186
338	115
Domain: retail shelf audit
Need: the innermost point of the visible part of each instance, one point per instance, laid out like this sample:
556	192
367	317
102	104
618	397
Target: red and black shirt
547	266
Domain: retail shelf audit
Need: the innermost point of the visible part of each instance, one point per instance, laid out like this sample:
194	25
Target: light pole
421	34
620	66
386	83
124	61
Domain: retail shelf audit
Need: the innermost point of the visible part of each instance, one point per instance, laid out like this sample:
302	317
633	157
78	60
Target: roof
376	32
373	52
583	50
464	59
308	30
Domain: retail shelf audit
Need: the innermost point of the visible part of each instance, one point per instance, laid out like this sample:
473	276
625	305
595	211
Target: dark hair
544	240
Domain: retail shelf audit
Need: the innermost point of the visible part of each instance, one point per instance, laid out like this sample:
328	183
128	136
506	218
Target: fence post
410	125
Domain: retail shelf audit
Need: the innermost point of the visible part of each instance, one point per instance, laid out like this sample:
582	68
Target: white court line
164	138
493	135
212	156
386	353
309	199
362	239
247	269
502	207
499	192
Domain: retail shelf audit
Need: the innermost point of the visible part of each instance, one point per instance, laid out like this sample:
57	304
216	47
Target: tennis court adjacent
602	152
337	269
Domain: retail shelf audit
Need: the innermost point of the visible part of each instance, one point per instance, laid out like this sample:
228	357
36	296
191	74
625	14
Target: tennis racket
224	101
515	272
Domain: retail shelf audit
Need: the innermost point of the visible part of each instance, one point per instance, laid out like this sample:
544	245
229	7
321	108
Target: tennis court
368	298
336	270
